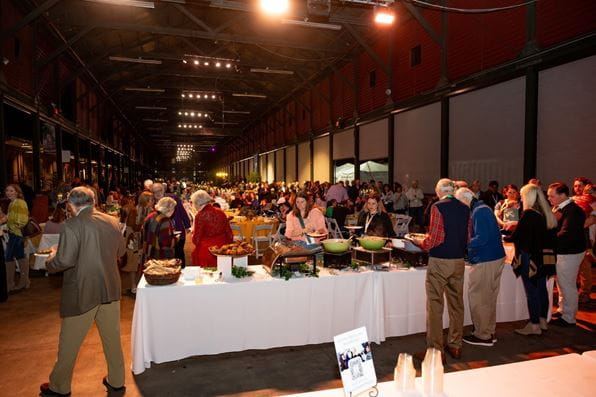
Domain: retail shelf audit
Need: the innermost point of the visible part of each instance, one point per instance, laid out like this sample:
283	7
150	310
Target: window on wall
343	170
377	170
372	78
416	55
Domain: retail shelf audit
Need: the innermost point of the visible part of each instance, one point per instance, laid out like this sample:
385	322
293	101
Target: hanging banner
66	156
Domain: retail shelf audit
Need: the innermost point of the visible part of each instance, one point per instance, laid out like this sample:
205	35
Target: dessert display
239	248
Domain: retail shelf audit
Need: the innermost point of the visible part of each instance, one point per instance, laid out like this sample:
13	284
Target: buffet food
239	248
46	251
162	271
372	243
336	245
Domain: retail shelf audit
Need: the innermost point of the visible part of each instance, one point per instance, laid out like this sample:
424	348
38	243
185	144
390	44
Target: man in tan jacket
89	246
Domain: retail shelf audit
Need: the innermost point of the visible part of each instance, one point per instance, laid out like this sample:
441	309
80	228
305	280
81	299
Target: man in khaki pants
446	242
486	255
87	252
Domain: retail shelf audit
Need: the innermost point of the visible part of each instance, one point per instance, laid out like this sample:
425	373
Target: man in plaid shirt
446	242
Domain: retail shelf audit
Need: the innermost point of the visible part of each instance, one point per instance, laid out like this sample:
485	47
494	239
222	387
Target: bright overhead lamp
151	108
317	25
275	7
384	16
271	71
141	89
249	95
131	3
236	111
135	60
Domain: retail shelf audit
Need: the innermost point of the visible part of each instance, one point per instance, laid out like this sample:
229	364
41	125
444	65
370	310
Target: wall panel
321	159
279	165
270	167
373	140
343	144
418	146
486	134
304	162
567	121
291	164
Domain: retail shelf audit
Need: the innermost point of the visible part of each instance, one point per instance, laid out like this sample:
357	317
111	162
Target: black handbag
31	229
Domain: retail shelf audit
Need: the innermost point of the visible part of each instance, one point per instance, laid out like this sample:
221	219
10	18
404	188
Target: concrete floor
30	325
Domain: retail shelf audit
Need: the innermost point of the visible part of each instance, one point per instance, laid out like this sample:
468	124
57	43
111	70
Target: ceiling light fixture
151	108
135	60
131	3
275	7
384	16
236	111
271	71
239	94
311	24
141	89
157	120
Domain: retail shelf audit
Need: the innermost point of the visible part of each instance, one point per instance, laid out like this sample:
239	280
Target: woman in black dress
534	234
374	219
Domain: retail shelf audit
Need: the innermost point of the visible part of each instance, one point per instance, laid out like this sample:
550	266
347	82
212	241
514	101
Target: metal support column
3	156
36	156
531	124
77	165
356	152
445	138
390	149
59	166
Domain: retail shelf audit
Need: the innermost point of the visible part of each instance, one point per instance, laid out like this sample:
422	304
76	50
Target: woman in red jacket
211	227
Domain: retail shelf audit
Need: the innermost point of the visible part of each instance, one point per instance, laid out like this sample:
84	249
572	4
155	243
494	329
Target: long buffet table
566	375
187	319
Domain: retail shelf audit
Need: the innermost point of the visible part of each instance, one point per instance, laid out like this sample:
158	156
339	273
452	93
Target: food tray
162	279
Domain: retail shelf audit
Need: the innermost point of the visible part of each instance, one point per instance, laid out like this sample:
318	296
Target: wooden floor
30	325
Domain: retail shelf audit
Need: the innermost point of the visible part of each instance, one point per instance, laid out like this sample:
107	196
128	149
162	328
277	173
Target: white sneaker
529	329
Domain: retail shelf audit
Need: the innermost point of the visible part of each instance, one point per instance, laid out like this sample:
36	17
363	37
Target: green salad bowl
336	245
372	243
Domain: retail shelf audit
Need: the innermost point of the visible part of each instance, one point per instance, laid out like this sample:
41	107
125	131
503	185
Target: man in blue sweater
486	255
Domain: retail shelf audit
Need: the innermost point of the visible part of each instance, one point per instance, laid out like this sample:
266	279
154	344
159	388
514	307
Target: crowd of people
104	235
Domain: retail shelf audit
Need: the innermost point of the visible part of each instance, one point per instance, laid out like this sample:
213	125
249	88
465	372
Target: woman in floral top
16	217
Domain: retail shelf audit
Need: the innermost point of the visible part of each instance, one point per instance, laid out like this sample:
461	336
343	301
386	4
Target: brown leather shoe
44	390
420	357
454	352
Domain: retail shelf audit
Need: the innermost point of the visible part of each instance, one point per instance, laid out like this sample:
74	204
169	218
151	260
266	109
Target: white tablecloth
47	241
567	375
186	319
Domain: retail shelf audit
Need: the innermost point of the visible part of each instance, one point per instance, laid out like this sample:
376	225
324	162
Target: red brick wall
559	20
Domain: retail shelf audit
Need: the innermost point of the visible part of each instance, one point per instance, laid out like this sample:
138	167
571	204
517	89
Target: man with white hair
486	255
87	254
147	184
180	219
446	242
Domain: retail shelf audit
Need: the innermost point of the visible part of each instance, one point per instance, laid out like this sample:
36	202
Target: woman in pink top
304	219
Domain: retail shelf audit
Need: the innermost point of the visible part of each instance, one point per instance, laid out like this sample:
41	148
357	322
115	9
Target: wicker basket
162	279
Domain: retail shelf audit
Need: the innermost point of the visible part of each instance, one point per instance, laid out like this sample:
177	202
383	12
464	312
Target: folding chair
402	225
333	228
261	239
237	232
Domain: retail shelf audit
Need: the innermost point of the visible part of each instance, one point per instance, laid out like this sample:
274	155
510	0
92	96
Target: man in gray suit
87	253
